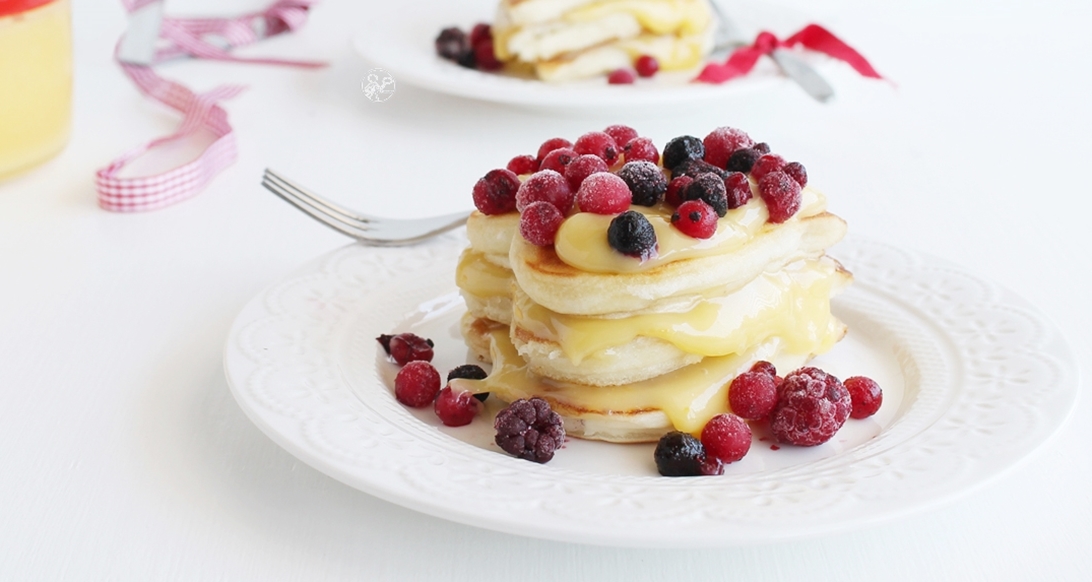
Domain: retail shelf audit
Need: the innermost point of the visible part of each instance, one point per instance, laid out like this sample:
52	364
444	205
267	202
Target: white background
125	457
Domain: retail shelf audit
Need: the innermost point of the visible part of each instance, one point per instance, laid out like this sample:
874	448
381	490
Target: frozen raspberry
753	395
495	192
456	408
676	189
581	168
762	148
408	347
742	160
621	77
722	142
679	454
726	437
781	195
765	164
865	394
551	145
530	430
524	164
797	172
738	189
452	44
646	182
646	65
600	144
681	149
480	33
695	218
558	160
545	186
485	57
695	168
630	233
811	406
622	134
603	193
539	223
764	367
417	384
470	372
709	188
641	148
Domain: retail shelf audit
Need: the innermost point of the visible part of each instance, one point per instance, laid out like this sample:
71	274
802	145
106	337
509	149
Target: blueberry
695	168
646	182
681	149
679	454
710	189
630	233
470	372
742	160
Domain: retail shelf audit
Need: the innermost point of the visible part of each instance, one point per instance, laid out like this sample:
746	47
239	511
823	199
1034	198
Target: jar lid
10	7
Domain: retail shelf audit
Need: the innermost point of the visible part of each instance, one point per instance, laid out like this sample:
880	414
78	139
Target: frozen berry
753	395
764	367
679	454
558	160
470	372
765	164
529	429
599	144
417	384
762	148
646	65
797	172
738	189
495	192
681	149
646	182
622	134
582	167
603	193
545	186
811	406
641	148
524	164
742	160
408	347
722	142
480	33
676	189
630	233
726	437
452	44
621	77
695	218
485	57
781	195
709	188
456	408
695	168
468	60
539	223
551	145
865	394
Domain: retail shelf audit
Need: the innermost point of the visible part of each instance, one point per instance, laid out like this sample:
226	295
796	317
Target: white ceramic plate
975	379
399	39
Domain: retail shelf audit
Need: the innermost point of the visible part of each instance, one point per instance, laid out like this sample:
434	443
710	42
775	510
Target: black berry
695	168
529	429
681	149
679	454
630	233
742	160
470	372
709	188
452	44
762	148
646	182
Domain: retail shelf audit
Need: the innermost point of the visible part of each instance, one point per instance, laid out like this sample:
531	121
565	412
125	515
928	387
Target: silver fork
367	229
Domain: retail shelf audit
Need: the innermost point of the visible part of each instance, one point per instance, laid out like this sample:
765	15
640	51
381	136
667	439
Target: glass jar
35	82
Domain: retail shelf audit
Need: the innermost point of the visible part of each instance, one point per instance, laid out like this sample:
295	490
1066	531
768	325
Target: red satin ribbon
812	36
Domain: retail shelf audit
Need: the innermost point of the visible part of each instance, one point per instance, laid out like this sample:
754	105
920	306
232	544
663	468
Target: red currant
417	384
456	408
539	223
603	193
865	394
548	186
646	65
495	192
695	218
621	77
726	437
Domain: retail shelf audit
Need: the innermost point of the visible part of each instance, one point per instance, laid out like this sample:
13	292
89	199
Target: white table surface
126	458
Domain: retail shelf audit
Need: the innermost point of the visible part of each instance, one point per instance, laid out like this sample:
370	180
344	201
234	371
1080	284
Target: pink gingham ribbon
187	37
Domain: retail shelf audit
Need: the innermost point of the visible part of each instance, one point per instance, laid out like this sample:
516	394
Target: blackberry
646	182
681	149
743	160
452	44
679	454
695	168
470	372
709	188
630	233
529	429
762	148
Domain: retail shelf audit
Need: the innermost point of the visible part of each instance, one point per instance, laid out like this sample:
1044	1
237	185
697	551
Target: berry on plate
529	429
811	406
417	384
726	437
865	394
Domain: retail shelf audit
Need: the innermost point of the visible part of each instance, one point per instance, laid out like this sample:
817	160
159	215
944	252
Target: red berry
765	367
481	32
797	172
753	395
485	57
765	164
416	384
581	168
726	437
599	144
557	160
781	195
646	65
551	145
539	223
456	408
548	186
865	394
676	189
495	192
738	189
408	347
621	77
622	134
721	142
524	164
641	148
811	406
695	218
603	193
